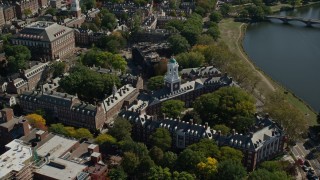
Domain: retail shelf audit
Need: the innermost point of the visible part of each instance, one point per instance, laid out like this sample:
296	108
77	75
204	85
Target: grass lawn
230	31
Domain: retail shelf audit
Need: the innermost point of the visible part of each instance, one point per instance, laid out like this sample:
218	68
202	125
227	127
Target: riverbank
278	7
232	33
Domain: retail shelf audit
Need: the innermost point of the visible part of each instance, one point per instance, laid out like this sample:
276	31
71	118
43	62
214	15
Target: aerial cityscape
159	90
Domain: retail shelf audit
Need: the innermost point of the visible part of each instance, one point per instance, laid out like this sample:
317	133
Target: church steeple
172	80
75	8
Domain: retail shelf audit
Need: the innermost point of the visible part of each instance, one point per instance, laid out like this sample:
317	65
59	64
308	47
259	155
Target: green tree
121	129
207	147
192	28
105	138
169	159
27	12
58	68
263	174
108	21
17	57
58	128
214	31
192	115
155	83
188	160
172	108
130	162
225	9
104	59
143	170
205	39
295	3
216	17
289	117
70	131
159	173
183	176
175	24
117	174
36	121
190	59
178	44
161	138
87	84
223	128
52	11
224	105
139	149
229	153
229	170
83	133
156	154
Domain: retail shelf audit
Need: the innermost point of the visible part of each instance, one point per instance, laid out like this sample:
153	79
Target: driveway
299	151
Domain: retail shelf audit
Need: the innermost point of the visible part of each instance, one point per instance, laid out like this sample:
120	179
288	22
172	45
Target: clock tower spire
172	80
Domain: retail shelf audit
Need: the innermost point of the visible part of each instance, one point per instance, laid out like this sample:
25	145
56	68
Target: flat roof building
15	163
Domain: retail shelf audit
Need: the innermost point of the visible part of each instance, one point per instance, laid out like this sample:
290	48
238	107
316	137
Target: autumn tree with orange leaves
36	121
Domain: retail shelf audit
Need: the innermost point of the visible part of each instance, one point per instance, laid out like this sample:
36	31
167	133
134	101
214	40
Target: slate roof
43	31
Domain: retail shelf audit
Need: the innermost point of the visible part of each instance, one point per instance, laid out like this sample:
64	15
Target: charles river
290	54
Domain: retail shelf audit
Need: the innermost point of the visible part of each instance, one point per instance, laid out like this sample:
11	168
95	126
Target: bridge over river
287	19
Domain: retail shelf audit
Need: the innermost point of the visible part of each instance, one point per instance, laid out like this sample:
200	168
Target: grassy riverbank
232	34
277	7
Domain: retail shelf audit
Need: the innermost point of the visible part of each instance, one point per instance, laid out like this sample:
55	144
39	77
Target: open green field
232	34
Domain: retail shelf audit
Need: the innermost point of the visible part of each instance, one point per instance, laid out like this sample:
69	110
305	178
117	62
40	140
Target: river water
290	54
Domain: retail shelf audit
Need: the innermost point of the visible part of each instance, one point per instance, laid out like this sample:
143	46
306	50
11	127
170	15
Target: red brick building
46	40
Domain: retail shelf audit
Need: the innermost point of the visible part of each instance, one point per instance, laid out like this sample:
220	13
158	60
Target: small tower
114	90
75	8
172	80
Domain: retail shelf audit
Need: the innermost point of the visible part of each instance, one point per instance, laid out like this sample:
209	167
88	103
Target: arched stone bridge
287	19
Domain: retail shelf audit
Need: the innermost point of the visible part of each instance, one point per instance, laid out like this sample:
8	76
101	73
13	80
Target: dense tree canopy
221	127
225	106
263	174
188	160
87	84
105	138
113	43
208	169
104	59
108	21
155	83
215	16
289	117
70	131
169	159
17	57
117	174
172	108
230	170
161	138
206	147
178	43
229	153
58	68
121	129
190	59
130	162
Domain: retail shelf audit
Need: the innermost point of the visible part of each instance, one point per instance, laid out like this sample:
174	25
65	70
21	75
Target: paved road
299	151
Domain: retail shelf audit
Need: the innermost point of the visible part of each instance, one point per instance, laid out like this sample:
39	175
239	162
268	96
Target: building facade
26	8
28	79
46	40
264	141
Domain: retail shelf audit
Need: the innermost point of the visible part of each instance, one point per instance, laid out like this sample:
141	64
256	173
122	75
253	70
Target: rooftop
15	158
56	147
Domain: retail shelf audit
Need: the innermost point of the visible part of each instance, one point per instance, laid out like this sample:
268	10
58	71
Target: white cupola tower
75	8
172	80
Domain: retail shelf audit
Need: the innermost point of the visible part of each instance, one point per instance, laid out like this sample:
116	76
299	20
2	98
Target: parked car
307	163
305	168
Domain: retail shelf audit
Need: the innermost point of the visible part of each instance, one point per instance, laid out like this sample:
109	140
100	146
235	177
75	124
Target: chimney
233	132
51	92
191	121
93	148
40	135
266	115
7	114
206	125
219	132
25	126
95	157
65	95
